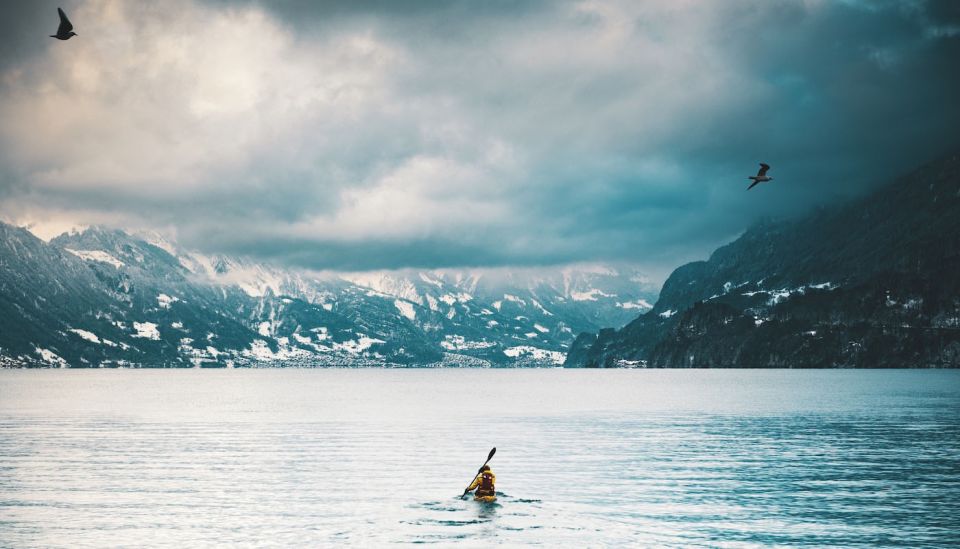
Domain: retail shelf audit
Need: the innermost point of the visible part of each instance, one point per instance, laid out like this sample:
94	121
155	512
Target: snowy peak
403	286
151	302
119	249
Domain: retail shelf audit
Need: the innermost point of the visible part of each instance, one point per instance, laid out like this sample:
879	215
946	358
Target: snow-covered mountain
102	297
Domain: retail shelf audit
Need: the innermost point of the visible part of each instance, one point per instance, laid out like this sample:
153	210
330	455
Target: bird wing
754	184
763	169
65	24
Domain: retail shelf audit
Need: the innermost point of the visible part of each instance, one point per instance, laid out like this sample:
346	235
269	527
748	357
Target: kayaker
484	484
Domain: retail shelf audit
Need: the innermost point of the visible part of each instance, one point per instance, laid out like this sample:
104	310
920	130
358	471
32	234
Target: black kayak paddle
480	470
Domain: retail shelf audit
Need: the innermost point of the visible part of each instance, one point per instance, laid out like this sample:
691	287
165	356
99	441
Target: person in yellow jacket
484	483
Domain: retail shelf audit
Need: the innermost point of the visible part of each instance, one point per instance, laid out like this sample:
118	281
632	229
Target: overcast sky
365	135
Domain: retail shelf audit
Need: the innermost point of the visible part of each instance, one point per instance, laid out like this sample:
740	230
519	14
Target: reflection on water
373	457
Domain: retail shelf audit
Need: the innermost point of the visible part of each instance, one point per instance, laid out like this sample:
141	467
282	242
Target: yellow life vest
486	486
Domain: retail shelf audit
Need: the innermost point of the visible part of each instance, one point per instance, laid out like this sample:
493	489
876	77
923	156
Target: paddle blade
489	456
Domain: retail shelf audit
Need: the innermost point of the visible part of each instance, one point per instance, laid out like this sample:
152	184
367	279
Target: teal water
685	458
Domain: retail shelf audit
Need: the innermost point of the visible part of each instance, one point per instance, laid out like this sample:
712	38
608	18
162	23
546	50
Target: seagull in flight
761	176
65	30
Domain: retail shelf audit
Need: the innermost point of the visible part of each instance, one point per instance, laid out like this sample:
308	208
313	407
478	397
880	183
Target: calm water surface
377	457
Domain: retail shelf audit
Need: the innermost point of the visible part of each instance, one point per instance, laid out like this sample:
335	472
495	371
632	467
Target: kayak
485	499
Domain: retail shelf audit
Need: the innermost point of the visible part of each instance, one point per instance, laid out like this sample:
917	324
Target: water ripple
295	458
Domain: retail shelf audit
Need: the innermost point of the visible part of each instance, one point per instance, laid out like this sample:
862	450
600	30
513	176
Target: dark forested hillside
874	282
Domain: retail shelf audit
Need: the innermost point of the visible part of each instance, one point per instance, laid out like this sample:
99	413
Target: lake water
376	457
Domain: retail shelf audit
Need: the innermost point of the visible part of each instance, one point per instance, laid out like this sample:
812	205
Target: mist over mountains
103	297
867	283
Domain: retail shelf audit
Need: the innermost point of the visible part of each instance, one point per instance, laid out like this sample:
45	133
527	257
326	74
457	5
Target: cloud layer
369	135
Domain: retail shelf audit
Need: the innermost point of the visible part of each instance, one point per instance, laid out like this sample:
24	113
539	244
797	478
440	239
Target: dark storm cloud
24	26
356	135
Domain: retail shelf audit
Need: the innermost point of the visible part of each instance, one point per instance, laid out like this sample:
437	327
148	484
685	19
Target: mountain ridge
117	299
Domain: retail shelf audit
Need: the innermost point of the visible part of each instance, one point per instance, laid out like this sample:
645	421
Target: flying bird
761	176
65	30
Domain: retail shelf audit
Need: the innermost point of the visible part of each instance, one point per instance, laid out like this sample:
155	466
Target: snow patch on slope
164	301
51	357
461	297
777	296
638	304
356	347
97	255
386	284
539	306
406	309
264	329
89	336
430	280
590	295
146	330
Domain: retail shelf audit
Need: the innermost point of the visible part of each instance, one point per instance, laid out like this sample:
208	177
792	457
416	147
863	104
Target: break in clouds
367	135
